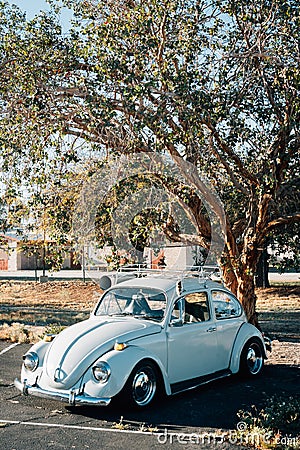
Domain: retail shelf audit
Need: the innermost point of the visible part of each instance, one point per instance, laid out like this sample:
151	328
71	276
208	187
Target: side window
192	308
196	307
225	305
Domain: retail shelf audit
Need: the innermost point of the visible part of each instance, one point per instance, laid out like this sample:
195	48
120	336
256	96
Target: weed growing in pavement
120	425
147	428
274	426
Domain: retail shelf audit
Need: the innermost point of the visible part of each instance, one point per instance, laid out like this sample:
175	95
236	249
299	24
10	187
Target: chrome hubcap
254	359
144	386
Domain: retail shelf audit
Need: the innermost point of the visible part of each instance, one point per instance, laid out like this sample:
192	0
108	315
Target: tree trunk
262	272
229	277
246	295
243	286
240	279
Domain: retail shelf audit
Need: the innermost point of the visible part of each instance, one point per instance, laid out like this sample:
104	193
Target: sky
33	7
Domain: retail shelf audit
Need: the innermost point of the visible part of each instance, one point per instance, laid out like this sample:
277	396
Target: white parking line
9	348
77	427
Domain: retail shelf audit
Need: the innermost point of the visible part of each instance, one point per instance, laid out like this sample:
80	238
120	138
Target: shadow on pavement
210	406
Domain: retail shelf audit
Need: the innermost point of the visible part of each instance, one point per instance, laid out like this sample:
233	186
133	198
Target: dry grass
75	295
279	312
28	307
280	298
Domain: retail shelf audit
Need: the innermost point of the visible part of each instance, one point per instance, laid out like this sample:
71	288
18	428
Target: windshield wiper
137	316
148	316
121	314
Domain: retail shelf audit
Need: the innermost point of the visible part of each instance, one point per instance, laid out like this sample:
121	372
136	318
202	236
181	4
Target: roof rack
201	272
106	279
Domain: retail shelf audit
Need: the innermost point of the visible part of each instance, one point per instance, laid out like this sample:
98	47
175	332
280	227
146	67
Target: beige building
171	256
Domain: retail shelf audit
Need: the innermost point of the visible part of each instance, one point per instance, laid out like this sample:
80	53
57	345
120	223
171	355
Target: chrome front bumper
71	397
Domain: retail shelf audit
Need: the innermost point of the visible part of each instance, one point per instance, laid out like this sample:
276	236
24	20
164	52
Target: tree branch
280	221
174	235
233	156
163	39
227	167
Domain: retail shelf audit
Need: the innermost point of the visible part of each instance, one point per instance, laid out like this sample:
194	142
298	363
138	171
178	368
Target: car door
229	318
191	338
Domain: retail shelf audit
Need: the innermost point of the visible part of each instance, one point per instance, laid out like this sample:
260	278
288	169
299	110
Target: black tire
252	359
141	387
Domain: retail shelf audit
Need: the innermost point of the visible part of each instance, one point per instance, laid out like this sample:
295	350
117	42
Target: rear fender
245	333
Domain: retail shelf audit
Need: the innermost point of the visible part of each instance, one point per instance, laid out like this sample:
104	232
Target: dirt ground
66	302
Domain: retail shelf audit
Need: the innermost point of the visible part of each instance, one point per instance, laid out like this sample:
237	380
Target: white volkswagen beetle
150	334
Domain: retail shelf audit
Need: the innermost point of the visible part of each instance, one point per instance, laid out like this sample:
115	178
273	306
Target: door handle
211	329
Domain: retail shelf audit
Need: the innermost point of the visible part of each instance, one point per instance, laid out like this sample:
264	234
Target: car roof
166	283
151	282
198	283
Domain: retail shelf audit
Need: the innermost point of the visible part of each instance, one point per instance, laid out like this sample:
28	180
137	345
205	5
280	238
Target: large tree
214	85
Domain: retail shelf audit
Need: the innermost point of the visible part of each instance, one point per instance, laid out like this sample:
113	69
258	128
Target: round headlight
101	372
31	361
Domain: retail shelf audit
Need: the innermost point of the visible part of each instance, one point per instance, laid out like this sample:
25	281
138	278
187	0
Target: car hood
79	346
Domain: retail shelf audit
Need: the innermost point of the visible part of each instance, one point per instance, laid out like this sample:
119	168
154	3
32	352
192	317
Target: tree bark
262	272
229	276
239	269
241	283
246	295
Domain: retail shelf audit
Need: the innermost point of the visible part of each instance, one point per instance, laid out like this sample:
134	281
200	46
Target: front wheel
141	387
252	359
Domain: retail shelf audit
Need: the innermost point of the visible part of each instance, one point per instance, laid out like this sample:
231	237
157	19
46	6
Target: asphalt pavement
203	418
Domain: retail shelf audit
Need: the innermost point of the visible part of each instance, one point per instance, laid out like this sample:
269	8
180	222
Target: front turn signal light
49	337
119	346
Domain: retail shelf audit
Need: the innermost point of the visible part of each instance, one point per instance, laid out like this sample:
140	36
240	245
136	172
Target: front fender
246	332
121	364
40	348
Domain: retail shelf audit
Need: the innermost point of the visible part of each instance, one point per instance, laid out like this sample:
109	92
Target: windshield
137	302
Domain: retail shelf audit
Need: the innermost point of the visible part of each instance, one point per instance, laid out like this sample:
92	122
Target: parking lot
177	422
